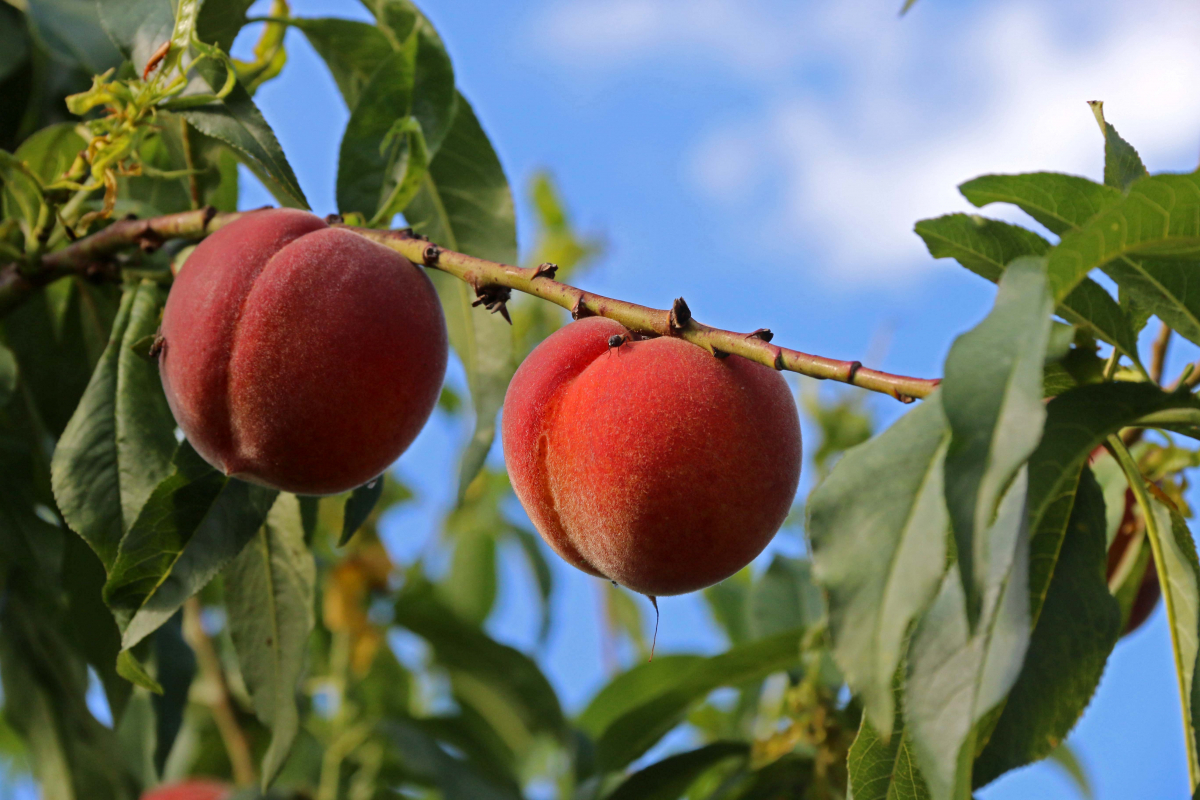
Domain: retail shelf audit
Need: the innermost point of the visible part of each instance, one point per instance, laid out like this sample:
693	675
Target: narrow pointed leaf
986	246
879	561
465	204
269	596
455	778
117	446
1122	164
359	506
670	778
1076	623
958	674
992	399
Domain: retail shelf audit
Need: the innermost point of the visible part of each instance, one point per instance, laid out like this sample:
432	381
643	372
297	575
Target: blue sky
766	160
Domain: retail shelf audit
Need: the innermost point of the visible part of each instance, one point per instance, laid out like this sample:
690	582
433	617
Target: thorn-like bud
762	333
129	217
209	213
545	270
680	315
779	359
334	219
432	254
720	353
157	346
149	240
493	298
579	311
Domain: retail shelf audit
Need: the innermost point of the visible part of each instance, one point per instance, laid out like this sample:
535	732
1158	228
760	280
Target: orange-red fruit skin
653	464
190	790
299	356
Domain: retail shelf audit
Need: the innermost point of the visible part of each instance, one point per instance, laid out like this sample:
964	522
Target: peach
190	790
651	463
298	356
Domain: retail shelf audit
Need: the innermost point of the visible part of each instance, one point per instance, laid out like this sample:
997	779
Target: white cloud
919	105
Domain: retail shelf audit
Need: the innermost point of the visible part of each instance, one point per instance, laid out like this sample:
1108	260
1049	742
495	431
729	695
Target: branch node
431	255
762	333
149	240
903	398
334	219
679	317
159	344
720	353
579	310
545	270
778	357
209	213
493	298
855	366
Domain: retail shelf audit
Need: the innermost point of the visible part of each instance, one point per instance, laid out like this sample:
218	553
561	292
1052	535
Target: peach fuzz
653	464
299	356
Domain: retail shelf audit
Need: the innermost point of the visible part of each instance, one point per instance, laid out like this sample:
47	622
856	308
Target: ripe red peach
299	356
650	463
190	790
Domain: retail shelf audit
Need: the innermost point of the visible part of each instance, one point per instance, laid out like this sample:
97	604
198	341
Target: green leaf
49	153
71	31
22	197
992	399
729	604
465	205
137	27
956	675
238	123
1076	623
463	648
118	445
175	665
269	596
352	50
132	670
469	588
8	375
359	506
633	733
194	523
531	546
986	246
670	778
220	20
1065	757
785	598
422	755
1062	203
879	562
14	46
884	769
634	688
1122	164
92	628
45	685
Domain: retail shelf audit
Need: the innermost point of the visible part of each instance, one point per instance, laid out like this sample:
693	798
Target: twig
1158	353
490	281
223	714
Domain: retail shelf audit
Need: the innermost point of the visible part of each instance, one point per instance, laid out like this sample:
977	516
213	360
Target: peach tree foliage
963	593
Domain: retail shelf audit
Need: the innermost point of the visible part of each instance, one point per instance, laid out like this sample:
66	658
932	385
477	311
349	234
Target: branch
493	283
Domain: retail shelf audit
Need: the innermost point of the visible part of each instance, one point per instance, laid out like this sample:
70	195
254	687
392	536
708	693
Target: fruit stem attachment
91	257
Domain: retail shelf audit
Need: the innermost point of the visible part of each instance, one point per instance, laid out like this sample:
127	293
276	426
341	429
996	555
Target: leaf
132	670
352	50
729	604
670	778
71	31
175	665
463	648
992	399
359	506
1076	623
194	524
879	562
45	683
531	546
22	196
14	46
633	733
986	246
1065	757
785	598
1122	164
8	375
882	769
633	688
469	588
465	205
1062	203
956	675
137	27
220	20
49	153
118	445
238	123
269	596
456	779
